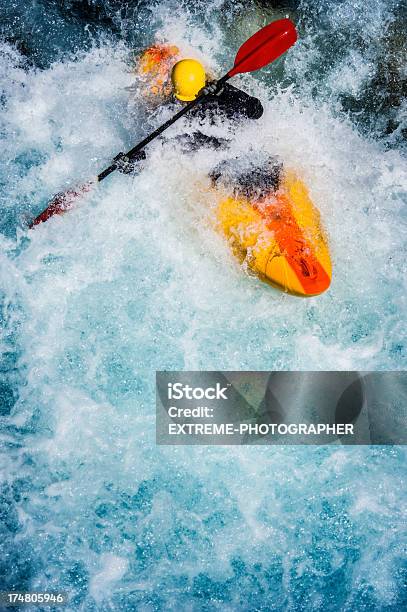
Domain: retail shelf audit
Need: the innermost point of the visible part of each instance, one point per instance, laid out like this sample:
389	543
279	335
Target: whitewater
136	279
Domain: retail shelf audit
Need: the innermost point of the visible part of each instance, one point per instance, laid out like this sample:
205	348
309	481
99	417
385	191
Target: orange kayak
280	237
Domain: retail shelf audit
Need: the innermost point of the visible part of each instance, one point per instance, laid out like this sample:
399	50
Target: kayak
279	236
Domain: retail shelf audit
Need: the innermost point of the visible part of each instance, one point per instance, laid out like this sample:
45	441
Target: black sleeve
235	104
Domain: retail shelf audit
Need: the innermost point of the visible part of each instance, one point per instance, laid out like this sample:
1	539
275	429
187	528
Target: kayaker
188	78
259	50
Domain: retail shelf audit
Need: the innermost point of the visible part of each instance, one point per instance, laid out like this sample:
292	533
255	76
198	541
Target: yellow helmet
188	78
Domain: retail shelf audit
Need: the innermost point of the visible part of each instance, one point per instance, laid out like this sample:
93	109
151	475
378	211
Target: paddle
259	50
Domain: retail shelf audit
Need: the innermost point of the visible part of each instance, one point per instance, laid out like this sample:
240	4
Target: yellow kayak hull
280	237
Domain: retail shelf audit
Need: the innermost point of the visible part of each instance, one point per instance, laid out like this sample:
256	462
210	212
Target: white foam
112	570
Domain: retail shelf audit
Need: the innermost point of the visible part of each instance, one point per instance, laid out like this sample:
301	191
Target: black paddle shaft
133	152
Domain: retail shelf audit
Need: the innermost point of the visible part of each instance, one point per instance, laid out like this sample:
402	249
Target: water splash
136	279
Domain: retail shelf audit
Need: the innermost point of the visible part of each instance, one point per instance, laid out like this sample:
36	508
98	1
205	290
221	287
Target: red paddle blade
265	46
61	203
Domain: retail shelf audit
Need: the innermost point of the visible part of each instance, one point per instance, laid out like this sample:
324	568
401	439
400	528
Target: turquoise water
135	279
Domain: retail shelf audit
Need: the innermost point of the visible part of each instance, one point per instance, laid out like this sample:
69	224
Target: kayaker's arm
231	102
237	103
